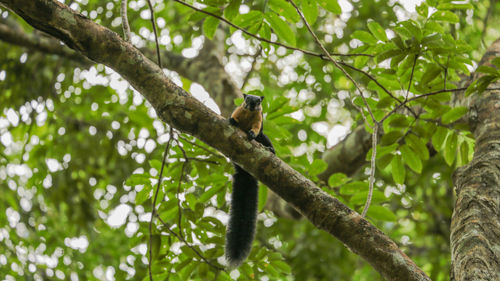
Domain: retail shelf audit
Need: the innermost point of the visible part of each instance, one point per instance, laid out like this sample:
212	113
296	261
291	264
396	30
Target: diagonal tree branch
219	83
179	109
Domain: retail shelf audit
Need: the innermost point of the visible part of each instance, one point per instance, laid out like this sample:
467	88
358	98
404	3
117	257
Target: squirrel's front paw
233	122
251	135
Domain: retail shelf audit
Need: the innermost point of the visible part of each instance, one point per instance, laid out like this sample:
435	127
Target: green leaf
439	137
391	137
137	179
282	266
464	152
232	9
143	195
496	62
430	74
155	164
252	18
310	10
317	166
418	145
377	31
388	54
411	158
281	28
330	5
337	179
384	160
381	213
353	187
360	198
413	28
423	9
453	115
364	36
454	6
450	148
285	9
398	169
210	193
446	16
488	70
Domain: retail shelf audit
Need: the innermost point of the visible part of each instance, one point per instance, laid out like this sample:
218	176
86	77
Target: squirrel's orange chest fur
248	120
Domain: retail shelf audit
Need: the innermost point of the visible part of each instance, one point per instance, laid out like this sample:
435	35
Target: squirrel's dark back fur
242	217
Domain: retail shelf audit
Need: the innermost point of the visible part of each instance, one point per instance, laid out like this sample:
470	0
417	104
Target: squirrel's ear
245	96
261	98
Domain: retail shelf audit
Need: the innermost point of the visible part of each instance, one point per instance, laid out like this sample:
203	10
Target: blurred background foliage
80	150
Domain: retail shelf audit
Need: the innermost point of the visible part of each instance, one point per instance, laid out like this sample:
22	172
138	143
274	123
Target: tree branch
183	112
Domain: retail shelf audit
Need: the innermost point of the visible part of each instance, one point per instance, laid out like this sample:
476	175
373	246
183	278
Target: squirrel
244	199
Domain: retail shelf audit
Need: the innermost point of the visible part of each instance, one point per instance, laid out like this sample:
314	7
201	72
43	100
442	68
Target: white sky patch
118	215
200	94
77	243
53	165
336	134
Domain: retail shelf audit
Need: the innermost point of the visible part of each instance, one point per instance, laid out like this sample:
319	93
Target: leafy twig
264	39
167	227
372	170
200	146
336	64
153	22
411	76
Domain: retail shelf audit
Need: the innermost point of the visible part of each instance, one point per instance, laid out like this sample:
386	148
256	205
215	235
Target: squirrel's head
252	102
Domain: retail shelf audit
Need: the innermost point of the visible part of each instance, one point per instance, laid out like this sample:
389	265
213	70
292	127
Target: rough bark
179	109
475	224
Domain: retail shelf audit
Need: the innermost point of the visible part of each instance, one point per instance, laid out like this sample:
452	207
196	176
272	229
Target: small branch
411	76
125	25
264	39
167	227
372	170
336	65
153	22
200	146
153	212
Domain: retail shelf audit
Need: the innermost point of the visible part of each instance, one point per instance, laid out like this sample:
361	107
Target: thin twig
372	170
411	76
336	64
203	160
167	227
264	39
153	22
200	146
125	25
153	212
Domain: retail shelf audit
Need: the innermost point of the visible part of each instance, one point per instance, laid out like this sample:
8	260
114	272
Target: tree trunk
475	225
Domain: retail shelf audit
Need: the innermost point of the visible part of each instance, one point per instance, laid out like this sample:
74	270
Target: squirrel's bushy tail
242	217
